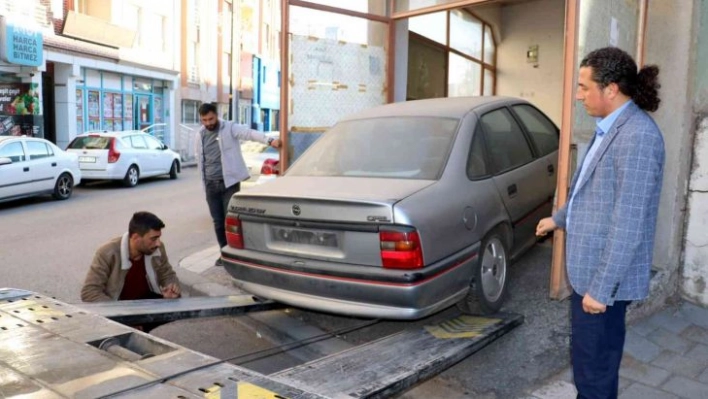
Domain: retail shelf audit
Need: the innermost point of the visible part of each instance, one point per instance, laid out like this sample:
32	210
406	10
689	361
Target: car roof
447	107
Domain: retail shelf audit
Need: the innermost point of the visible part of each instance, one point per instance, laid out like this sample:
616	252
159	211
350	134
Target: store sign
21	45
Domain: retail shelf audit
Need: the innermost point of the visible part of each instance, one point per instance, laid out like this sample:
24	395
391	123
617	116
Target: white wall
153	46
694	271
522	25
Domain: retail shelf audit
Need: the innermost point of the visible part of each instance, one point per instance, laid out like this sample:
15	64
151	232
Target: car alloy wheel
488	286
493	269
63	187
131	176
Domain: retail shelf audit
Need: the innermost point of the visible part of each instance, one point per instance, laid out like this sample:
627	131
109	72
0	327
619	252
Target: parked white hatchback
33	166
127	156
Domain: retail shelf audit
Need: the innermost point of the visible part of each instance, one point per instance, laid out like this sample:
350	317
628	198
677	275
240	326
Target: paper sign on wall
614	32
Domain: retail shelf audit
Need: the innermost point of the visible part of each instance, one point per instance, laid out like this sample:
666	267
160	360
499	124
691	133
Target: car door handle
551	169
54	164
511	190
25	169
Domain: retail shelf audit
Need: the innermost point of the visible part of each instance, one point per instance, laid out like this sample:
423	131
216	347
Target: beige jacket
105	278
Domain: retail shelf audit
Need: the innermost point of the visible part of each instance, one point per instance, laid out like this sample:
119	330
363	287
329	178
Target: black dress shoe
219	262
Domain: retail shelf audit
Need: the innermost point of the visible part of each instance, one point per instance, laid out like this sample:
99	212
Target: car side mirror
165	147
5	161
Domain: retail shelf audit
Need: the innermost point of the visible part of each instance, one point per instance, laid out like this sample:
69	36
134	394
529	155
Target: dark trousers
597	342
218	198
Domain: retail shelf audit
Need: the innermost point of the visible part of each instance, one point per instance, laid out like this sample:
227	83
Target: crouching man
133	266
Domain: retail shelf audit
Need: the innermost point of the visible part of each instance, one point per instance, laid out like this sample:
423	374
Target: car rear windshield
400	148
90	143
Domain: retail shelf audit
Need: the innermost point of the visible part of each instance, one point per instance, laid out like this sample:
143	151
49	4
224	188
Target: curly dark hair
613	65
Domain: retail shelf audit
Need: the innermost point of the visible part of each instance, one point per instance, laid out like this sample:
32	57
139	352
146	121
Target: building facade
128	81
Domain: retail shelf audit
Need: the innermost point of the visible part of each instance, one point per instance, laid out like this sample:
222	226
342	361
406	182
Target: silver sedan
400	211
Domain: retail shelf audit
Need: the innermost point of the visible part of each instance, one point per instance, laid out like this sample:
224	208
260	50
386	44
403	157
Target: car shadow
115	184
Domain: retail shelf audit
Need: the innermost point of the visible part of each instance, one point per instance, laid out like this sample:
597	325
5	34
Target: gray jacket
232	164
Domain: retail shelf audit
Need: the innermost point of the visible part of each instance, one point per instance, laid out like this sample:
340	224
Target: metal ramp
163	311
49	349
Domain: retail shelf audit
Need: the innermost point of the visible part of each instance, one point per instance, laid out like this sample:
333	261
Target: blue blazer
610	234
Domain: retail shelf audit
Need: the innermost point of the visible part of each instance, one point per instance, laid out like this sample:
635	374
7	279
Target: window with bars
190	114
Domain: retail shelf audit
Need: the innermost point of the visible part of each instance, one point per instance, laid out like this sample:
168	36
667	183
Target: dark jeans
597	342
218	197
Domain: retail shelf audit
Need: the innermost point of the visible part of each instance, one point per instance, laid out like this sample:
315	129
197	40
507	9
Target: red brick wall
58	20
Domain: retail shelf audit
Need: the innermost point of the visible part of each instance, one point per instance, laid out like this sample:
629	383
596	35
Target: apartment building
227	48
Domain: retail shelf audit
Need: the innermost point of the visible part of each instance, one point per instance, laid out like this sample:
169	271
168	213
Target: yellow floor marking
461	327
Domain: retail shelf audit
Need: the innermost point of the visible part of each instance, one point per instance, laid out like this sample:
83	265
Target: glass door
143	111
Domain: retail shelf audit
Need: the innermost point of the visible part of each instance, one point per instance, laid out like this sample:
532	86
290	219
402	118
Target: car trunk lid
328	218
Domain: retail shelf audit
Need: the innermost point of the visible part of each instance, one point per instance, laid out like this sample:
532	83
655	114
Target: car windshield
401	147
90	143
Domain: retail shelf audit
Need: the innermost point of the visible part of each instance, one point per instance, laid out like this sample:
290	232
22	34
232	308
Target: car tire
489	284
131	176
174	170
63	187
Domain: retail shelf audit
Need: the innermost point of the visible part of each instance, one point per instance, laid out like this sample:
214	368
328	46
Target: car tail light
234	232
270	167
113	154
401	249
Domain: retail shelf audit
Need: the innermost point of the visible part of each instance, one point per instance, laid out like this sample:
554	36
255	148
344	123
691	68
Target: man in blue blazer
610	217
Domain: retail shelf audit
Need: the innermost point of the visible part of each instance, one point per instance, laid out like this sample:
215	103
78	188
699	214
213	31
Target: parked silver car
400	211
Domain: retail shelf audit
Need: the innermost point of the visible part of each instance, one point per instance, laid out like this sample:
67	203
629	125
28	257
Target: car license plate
307	237
87	159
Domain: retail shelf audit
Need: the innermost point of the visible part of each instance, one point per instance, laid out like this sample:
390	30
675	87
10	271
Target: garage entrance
369	52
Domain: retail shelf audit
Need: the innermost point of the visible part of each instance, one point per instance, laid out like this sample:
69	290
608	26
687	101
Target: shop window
426	66
366	6
490	47
464	77
128	120
410	5
112	111
488	83
159	109
467	46
431	26
94	111
79	111
466	33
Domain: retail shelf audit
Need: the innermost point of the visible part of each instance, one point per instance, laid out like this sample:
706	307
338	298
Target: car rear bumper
110	173
364	296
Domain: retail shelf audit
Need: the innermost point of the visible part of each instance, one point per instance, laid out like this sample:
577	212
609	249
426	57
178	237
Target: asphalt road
46	246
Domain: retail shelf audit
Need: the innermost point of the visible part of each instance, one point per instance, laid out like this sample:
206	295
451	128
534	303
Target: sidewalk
665	356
